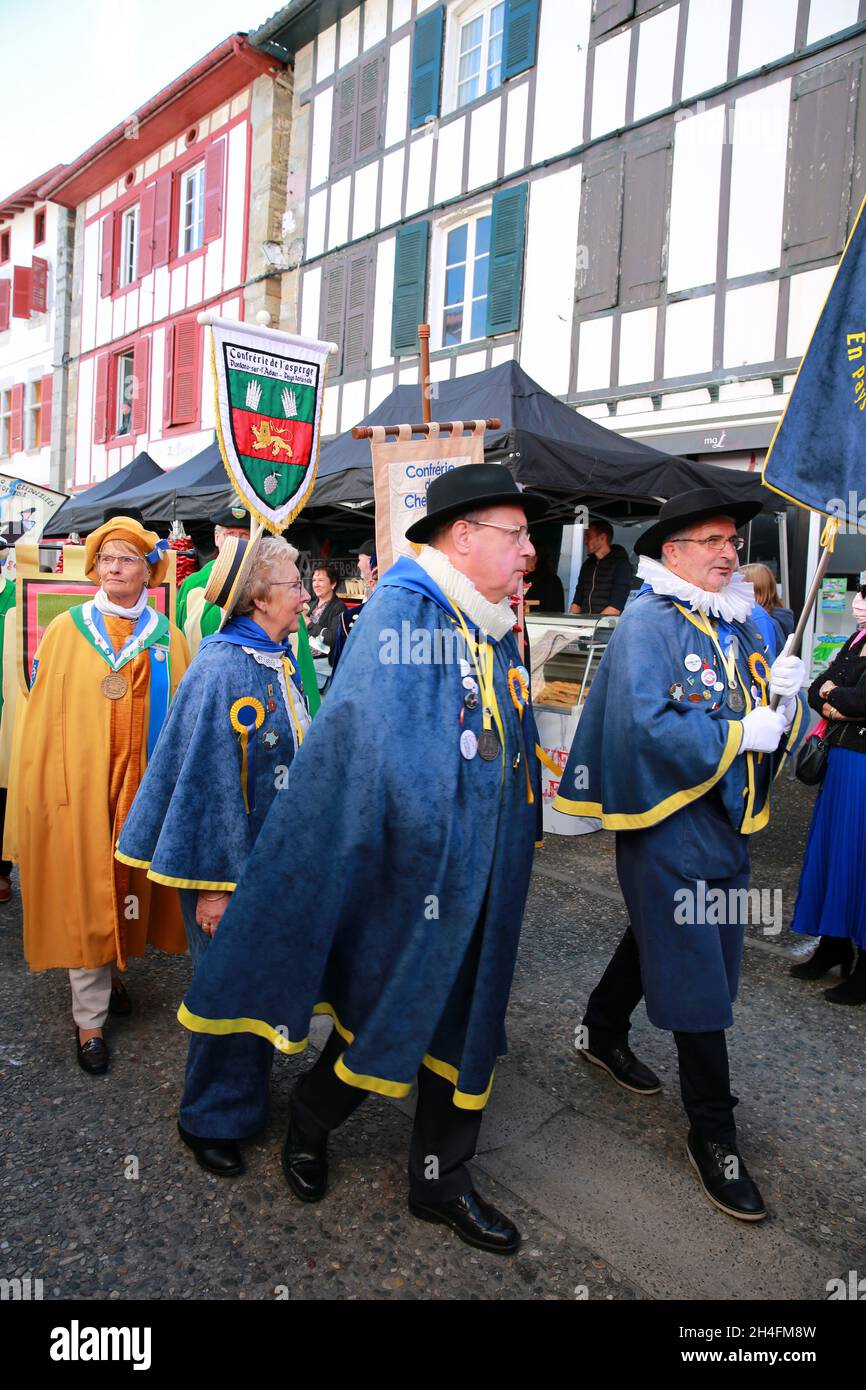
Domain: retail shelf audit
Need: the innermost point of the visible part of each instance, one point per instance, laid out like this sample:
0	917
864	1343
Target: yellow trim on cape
787	495
173	882
465	1100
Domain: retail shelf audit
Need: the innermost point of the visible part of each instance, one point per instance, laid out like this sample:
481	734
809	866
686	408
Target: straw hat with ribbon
231	569
126	528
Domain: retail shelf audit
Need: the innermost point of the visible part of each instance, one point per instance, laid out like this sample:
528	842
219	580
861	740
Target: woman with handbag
831	901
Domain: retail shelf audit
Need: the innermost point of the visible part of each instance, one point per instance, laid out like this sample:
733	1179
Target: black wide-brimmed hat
468	489
690	509
234	516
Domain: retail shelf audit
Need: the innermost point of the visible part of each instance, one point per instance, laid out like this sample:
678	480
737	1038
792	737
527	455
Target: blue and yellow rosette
247	714
518	689
760	673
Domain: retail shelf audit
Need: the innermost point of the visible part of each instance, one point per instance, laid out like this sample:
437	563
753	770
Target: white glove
762	730
858	608
787	674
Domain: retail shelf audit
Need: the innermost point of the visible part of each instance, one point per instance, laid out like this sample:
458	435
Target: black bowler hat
468	489
368	548
234	517
689	509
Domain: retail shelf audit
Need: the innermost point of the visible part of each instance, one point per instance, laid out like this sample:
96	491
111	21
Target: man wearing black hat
195	617
368	569
422	762
676	751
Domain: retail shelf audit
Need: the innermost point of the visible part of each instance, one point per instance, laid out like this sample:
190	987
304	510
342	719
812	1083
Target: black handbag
812	761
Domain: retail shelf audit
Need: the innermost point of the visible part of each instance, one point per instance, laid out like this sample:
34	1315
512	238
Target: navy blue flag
818	454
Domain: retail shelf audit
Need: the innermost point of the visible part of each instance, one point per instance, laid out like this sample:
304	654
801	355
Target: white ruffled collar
496	619
733	604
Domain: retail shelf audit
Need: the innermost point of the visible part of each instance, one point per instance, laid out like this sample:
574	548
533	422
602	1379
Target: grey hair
257	585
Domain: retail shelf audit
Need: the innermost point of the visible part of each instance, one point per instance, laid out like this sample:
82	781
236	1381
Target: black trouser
444	1137
705	1081
5	866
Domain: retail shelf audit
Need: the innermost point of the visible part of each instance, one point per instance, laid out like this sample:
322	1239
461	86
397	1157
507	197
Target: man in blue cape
422	766
676	751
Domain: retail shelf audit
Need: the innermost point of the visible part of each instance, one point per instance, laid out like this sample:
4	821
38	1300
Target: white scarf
103	603
496	619
733	604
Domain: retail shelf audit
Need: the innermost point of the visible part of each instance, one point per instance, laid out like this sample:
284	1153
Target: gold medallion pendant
115	686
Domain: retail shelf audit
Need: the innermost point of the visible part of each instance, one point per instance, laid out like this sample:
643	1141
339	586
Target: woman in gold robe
103	676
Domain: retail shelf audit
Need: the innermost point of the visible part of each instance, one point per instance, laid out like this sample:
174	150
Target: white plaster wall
320	151
375	22
484	143
397	113
758	179
352	409
609	83
311	303
767	32
515	128
338	221
657	46
829	16
593	354
233	208
563	43
420	164
383	303
327	53
689	336
637	346
548	296
195	281
401	13
808	292
706	58
89	287
449	159
157	381
750	324
695	194
349	26
316	211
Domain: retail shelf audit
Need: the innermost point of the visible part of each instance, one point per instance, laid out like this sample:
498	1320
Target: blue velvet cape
387	885
189	825
644	748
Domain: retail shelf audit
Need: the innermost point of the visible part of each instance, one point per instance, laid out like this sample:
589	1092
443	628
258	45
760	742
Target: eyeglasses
520	533
125	561
716	544
296	584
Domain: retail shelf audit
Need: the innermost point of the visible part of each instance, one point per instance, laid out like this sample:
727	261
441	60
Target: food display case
565	652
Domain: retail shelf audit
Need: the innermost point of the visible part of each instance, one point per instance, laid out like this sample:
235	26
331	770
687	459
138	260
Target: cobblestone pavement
99	1199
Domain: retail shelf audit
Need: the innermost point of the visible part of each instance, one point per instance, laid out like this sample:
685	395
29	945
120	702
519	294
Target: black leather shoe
852	990
219	1156
305	1162
92	1055
119	1002
724	1178
474	1220
830	951
627	1070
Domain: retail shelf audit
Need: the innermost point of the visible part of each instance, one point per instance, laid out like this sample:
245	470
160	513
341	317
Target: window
191	229
467	262
5	423
39	227
33	416
124	393
5	246
480	53
129	246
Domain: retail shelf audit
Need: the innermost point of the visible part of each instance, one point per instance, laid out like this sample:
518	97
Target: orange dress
78	761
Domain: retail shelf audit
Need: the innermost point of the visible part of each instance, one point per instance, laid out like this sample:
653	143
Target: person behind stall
8	701
103	677
676	751
195	617
239	718
774	622
543	585
324	615
831	899
605	575
368	570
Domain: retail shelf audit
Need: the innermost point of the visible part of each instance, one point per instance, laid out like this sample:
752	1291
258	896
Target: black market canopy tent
192	492
547	445
84	512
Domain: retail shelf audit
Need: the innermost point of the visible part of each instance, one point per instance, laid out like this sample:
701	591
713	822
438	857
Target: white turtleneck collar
104	604
733	604
496	619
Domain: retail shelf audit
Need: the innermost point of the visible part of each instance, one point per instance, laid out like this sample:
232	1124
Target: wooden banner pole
424	340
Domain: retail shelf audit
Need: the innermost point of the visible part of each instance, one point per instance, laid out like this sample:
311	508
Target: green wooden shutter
521	35
507	236
410	285
427	66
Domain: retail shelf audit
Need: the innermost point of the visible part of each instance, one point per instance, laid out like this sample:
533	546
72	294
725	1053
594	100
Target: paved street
596	1178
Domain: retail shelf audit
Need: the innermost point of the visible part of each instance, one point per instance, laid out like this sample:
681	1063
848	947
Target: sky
70	70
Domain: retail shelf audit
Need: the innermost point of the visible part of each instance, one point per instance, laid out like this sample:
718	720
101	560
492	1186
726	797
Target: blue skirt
831	900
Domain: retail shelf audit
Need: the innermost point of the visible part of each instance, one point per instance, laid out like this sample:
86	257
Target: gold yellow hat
126	528
231	569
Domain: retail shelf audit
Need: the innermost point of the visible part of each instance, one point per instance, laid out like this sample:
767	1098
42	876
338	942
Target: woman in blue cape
238	720
422	761
676	750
